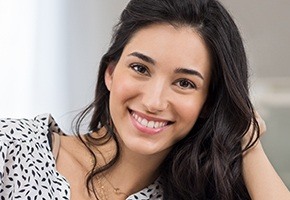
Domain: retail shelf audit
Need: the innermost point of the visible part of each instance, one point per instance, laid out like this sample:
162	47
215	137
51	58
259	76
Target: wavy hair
207	163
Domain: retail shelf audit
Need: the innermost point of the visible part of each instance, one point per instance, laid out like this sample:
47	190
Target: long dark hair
207	163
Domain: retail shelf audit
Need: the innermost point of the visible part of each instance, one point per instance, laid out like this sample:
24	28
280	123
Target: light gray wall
88	26
266	29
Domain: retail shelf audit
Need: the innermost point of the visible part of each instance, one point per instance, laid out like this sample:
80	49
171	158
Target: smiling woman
159	88
171	119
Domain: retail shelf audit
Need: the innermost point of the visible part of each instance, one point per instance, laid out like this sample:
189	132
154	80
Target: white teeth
144	122
156	125
139	119
149	124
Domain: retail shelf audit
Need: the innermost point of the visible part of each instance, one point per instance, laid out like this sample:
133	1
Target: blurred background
50	50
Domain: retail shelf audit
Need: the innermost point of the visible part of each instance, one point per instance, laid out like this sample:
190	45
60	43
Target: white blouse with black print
27	163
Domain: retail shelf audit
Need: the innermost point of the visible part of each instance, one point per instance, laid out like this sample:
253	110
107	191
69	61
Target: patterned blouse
28	167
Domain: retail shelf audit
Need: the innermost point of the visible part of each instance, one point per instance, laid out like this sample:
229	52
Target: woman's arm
262	181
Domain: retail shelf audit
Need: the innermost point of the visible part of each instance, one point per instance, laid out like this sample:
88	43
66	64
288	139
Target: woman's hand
262	181
250	135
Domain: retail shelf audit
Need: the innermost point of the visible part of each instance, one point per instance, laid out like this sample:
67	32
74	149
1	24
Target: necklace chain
103	192
116	190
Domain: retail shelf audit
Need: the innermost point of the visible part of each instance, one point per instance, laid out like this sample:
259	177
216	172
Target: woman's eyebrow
178	70
143	57
188	71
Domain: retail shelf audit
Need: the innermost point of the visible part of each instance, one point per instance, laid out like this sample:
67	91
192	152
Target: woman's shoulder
27	165
23	129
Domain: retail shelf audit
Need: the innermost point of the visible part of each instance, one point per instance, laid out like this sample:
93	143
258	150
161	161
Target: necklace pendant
117	191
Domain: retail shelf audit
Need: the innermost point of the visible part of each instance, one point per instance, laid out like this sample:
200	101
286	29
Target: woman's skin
162	76
261	179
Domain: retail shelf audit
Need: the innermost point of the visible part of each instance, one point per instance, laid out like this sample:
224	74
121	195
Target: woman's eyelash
186	84
139	68
143	70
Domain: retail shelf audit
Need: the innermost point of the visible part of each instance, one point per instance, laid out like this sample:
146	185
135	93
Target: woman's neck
132	172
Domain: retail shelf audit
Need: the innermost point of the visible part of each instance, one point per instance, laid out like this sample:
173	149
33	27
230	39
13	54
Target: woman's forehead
164	43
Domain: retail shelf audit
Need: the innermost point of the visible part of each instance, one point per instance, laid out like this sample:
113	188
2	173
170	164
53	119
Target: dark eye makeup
185	84
140	68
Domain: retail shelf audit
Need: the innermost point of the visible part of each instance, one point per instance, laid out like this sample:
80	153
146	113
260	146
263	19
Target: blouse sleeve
9	150
27	165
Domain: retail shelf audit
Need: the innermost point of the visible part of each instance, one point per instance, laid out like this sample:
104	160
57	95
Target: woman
171	118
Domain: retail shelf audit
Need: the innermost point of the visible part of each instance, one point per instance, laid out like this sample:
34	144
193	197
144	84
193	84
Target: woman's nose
155	97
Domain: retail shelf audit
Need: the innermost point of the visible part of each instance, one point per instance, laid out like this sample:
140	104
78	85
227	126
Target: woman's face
158	87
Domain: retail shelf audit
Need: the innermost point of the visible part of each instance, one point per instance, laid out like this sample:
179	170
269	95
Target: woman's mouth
149	122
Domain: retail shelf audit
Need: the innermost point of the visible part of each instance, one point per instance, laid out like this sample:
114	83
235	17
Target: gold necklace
103	193
116	190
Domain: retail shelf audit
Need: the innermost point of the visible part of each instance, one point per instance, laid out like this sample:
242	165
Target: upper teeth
149	124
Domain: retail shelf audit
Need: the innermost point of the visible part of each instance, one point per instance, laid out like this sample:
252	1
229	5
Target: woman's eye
141	69
185	84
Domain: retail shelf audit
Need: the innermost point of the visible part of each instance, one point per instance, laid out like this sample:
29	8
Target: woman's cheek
128	86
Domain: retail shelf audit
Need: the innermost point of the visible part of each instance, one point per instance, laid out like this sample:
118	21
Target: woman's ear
109	75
